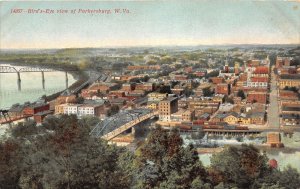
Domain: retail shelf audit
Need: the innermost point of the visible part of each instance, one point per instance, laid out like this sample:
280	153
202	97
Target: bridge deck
115	125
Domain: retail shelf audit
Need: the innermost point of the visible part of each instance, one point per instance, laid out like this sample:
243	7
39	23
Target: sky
149	23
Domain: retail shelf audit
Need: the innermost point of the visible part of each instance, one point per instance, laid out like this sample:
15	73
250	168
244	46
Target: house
222	88
289	80
40	116
117	93
92	108
231	118
59	109
244	119
203	117
145	86
290	119
217	80
99	87
218	117
288	95
183	116
257	118
65	97
128	86
118	102
260	97
36	107
180	77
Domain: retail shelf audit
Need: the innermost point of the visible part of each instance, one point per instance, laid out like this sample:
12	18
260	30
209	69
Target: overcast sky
150	23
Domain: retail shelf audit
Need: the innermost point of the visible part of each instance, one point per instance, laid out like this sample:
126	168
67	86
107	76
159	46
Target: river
283	156
31	85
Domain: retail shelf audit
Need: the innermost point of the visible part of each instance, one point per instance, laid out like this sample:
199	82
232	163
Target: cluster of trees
228	99
114	109
212	74
294	89
241	94
61	154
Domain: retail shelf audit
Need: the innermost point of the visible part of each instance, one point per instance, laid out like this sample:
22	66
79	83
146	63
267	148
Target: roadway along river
31	86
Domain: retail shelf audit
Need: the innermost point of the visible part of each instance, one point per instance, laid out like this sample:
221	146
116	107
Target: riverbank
81	78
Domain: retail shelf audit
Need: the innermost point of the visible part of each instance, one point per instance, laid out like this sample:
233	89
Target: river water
31	86
290	155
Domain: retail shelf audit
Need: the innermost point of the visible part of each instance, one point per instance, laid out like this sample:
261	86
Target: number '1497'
16	10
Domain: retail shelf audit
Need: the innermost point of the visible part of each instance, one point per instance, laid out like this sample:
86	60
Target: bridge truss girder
115	122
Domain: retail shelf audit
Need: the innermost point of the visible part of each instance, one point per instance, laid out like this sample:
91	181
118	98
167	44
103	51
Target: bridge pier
43	76
19	85
133	131
67	80
19	81
19	76
43	80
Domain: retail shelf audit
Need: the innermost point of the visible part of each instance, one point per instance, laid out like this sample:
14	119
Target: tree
227	99
151	62
212	74
289	178
24	130
80	100
241	94
188	92
65	157
206	92
240	166
163	162
165	89
10	159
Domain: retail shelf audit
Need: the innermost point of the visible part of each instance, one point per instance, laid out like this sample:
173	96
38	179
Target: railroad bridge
117	124
11	69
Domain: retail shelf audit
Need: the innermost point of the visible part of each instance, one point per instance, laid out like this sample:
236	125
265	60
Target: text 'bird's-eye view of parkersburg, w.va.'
150	94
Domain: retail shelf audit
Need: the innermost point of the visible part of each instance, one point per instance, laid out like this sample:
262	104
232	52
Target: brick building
222	88
217	80
35	108
260	97
167	107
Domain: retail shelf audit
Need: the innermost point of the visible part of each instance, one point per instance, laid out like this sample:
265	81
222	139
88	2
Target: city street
273	108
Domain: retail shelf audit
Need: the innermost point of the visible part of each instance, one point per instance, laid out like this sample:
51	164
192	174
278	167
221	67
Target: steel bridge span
117	124
11	69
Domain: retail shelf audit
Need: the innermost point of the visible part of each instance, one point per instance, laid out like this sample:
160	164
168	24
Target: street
273	108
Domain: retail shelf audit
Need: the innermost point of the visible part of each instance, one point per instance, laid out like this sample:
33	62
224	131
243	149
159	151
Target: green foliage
65	157
212	74
228	99
24	130
10	158
188	92
207	92
114	109
240	166
241	94
162	162
61	154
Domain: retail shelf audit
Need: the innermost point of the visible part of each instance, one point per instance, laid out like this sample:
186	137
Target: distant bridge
117	124
11	69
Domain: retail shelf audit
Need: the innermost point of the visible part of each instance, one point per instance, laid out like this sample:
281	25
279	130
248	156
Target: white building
71	109
86	110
